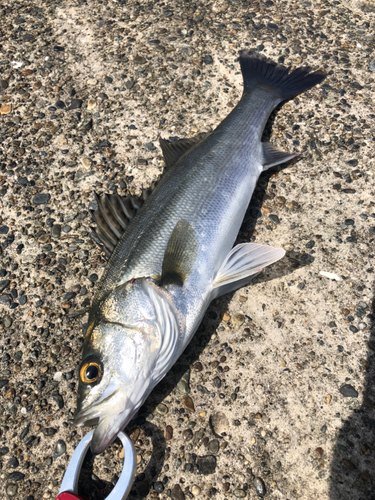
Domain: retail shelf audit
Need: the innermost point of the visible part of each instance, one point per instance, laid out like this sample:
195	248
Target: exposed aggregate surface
274	397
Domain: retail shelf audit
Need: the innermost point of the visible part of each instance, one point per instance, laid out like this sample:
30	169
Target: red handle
67	495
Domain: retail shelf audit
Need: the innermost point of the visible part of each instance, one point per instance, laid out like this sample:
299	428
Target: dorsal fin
112	217
173	150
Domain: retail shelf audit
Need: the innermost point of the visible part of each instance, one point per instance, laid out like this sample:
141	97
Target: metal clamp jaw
69	485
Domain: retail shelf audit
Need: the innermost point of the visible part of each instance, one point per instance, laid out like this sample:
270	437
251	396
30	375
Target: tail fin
259	71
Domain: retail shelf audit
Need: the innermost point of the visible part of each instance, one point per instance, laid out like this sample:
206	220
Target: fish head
120	354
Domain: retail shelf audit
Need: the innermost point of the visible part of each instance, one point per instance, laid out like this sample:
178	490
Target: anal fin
273	156
242	263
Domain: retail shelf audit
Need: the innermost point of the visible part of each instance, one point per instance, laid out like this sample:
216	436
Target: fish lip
108	423
110	413
107	430
82	417
104	406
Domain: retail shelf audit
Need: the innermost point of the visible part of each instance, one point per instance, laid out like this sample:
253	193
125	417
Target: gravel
41	199
348	391
86	90
60	449
206	465
259	486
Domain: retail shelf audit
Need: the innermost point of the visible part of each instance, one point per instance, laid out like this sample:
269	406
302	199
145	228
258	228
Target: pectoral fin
180	254
243	262
273	156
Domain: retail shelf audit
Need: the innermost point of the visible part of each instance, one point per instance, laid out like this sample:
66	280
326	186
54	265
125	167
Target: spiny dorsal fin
173	150
112	217
180	254
273	156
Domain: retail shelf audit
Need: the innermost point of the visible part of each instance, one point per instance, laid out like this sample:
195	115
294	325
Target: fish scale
175	254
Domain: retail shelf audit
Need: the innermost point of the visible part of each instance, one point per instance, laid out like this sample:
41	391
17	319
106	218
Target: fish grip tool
69	485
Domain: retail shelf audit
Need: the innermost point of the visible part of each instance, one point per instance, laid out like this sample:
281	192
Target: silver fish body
175	255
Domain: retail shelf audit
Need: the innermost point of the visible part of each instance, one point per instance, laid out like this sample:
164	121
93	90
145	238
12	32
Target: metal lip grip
69	485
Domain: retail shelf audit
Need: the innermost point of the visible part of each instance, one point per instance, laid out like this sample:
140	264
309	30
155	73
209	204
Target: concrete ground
274	396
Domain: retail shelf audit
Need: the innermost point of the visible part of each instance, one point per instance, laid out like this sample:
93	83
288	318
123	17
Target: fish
171	250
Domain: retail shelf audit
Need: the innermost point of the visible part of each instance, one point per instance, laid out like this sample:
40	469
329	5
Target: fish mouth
109	413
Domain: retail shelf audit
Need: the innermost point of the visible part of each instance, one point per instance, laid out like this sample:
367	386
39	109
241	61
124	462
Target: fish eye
90	372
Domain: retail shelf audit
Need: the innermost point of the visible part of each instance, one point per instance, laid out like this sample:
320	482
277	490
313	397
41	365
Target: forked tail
259	72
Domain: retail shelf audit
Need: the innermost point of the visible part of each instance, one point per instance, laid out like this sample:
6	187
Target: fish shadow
352	469
207	328
143	481
93	487
293	260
